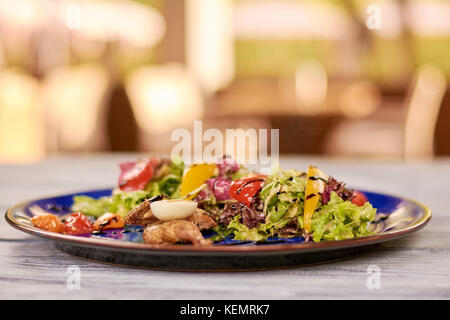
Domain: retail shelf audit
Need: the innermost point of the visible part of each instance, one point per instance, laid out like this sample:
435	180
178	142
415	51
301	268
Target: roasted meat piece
173	232
160	232
202	220
142	215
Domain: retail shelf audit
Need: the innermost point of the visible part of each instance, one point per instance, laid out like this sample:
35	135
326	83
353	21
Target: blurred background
338	78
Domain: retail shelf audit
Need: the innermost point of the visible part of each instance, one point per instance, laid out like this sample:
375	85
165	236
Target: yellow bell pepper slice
315	185
195	176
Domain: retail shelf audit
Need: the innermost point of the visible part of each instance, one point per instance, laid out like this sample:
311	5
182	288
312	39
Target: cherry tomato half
244	190
359	199
78	223
136	175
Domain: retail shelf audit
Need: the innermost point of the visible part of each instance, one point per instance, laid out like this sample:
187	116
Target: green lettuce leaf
283	196
168	181
91	206
120	203
242	232
339	220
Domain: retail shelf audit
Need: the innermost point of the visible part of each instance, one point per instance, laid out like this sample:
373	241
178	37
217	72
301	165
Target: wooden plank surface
415	267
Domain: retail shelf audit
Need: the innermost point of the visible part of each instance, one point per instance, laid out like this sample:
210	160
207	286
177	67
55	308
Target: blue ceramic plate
400	218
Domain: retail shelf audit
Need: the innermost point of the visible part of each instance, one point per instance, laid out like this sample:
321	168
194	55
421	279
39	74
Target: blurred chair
424	105
411	137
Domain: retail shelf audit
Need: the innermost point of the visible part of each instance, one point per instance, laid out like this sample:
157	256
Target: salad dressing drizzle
315	178
238	191
309	196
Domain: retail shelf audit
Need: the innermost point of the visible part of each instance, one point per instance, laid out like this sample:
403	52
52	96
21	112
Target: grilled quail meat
160	232
142	215
173	232
202	220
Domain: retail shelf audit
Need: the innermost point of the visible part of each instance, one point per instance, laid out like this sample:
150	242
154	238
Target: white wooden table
415	267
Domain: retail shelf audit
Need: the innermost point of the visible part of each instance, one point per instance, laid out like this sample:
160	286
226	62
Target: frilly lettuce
283	197
339	220
242	232
167	181
120	203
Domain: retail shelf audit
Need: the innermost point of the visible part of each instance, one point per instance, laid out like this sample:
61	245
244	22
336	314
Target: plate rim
217	248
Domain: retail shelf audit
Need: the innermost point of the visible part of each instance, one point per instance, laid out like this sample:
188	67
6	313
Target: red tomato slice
359	199
136	175
244	190
78	223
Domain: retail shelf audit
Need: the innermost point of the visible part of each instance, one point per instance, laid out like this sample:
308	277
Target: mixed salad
175	203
